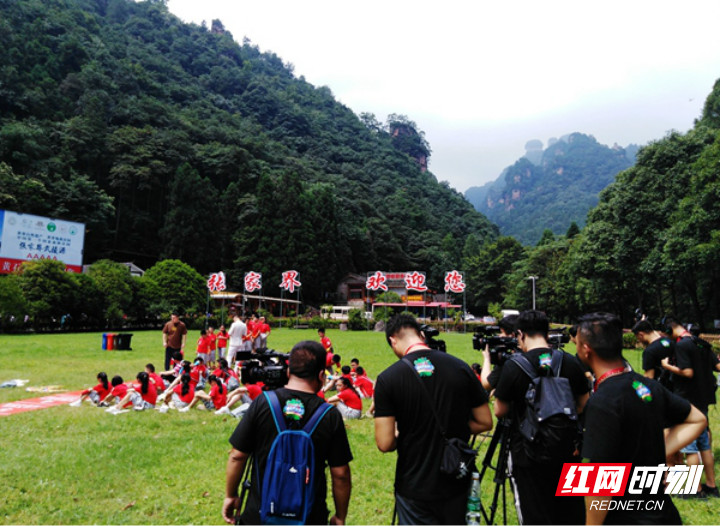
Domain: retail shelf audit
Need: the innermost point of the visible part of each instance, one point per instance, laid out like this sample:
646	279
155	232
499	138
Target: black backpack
550	427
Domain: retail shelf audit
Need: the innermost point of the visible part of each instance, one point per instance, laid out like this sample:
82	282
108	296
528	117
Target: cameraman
489	376
404	421
534	483
256	432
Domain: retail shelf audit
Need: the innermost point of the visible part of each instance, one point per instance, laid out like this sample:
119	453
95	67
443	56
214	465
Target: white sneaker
76	403
112	409
225	410
184	410
163	409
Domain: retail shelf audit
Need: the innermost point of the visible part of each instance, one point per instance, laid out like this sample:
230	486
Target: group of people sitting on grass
189	384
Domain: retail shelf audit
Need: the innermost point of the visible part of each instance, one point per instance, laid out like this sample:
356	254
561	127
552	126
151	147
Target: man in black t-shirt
657	348
534	483
693	379
624	422
256	432
422	494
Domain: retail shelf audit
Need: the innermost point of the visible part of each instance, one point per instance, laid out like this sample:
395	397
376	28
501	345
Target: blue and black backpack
288	482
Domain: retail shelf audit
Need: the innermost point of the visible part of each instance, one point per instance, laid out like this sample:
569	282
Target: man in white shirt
237	330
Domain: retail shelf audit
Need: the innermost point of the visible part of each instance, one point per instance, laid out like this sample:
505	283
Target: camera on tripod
430	334
501	347
558	337
267	366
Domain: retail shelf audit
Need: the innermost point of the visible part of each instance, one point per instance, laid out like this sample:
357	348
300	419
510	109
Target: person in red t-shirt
118	392
215	399
203	346
222	342
96	394
182	394
362	383
212	346
347	400
245	393
142	395
264	332
227	375
160	384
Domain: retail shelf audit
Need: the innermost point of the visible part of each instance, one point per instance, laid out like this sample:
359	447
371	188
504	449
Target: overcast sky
482	77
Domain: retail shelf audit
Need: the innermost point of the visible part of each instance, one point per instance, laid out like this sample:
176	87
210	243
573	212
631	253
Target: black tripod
502	437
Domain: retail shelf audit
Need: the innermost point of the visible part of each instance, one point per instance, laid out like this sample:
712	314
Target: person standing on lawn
174	335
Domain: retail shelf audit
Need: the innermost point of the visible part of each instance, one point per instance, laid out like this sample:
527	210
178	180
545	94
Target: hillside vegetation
551	188
172	140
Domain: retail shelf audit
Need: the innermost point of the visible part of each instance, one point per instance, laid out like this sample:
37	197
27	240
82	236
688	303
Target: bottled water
473	504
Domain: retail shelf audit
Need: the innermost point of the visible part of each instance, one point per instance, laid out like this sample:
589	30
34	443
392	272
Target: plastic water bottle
473	504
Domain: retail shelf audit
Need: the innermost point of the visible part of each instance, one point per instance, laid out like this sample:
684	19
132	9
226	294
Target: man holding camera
490	375
405	422
624	422
534	482
256	432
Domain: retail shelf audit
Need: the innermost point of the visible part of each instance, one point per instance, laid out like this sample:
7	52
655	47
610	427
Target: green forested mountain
551	188
171	140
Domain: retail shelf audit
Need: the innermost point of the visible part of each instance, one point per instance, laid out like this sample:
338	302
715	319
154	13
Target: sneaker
700	495
76	403
112	409
223	411
163	409
184	410
710	492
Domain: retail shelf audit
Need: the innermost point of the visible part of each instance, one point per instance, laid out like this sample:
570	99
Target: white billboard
25	237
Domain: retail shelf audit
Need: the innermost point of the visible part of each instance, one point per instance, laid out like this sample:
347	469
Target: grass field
68	465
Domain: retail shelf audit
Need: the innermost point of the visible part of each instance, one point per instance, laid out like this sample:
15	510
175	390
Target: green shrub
356	322
629	340
317	322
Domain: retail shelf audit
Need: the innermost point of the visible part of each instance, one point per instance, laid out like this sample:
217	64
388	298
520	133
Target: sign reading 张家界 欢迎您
25	237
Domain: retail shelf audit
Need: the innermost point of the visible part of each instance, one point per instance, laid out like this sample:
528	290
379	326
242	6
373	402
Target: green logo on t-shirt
545	360
424	367
294	409
642	391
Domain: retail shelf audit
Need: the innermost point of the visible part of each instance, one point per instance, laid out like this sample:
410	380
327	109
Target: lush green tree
175	286
115	285
486	272
48	290
13	306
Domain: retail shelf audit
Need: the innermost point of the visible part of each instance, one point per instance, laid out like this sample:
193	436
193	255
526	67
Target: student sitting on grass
155	378
142	395
347	400
182	395
215	400
227	375
176	364
96	394
245	393
118	392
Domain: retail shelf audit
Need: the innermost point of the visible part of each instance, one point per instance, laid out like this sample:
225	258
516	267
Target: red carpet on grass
43	402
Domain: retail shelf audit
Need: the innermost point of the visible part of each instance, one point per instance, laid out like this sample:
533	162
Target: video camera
266	366
430	334
557	337
501	347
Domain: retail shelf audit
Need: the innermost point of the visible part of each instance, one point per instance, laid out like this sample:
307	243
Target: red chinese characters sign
216	282
454	282
290	281
376	282
253	281
415	281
